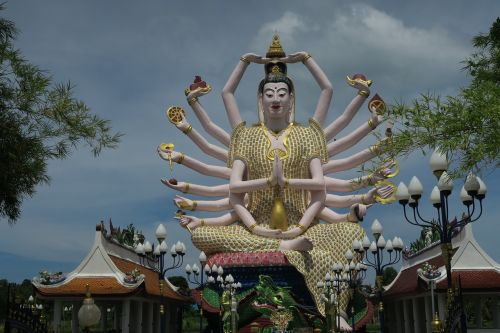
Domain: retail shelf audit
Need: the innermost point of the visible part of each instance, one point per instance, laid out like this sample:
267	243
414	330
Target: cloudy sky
130	61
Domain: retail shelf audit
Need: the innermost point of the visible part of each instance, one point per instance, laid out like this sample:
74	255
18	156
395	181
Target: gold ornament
279	219
358	78
395	172
281	318
275	49
388	200
170	147
175	114
376	105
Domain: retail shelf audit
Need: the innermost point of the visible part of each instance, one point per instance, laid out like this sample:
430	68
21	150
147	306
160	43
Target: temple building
407	300
124	286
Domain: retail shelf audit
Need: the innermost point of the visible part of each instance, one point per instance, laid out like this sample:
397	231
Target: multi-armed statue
278	190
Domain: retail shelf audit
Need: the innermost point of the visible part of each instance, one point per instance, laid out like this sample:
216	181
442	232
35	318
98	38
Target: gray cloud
131	61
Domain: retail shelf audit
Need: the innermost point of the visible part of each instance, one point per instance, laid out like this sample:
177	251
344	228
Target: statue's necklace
276	140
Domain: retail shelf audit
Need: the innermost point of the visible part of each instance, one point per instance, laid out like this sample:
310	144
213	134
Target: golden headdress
275	49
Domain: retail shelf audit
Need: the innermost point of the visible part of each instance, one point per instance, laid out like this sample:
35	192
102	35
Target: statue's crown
275	49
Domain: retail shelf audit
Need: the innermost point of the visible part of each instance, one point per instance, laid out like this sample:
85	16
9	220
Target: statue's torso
253	146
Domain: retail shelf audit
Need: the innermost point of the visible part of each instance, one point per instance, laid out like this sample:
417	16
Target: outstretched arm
349	185
355	136
213	129
344	201
208	148
193	222
341	185
194	164
203	205
201	190
325	85
233	113
348	162
356	213
341	122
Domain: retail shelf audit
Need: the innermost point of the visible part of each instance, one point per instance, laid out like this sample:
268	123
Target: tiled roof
407	281
152	284
474	279
98	286
108	285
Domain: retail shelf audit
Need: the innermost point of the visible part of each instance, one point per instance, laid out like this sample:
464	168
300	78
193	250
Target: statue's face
276	100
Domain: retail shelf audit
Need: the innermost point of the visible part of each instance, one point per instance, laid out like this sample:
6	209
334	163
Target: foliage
39	120
465	127
389	275
129	236
427	237
181	282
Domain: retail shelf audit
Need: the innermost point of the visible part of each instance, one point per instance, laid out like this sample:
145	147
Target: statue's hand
292	233
180	186
189	222
294	57
168	154
376	118
359	85
279	177
357	212
265	232
183	203
255	58
383	192
383	172
183	124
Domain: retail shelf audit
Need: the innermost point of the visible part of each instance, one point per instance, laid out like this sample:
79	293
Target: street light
147	250
473	190
376	248
89	314
356	272
197	272
225	285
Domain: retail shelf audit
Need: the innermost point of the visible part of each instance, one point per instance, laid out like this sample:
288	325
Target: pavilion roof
477	270
104	270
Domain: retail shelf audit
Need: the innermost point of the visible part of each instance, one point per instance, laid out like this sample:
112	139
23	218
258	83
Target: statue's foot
297	244
344	326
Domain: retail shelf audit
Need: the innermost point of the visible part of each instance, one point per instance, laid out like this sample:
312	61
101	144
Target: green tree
39	120
466	126
389	275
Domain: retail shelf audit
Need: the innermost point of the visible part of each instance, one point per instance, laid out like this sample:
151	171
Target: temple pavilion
407	300
124	286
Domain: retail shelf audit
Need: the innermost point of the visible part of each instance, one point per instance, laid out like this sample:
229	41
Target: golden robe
252	146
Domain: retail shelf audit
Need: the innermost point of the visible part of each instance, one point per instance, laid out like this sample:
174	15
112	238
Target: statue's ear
260	111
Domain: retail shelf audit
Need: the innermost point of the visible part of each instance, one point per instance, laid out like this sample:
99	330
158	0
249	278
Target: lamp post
89	313
332	285
226	288
224	285
377	248
473	190
195	270
147	251
356	272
